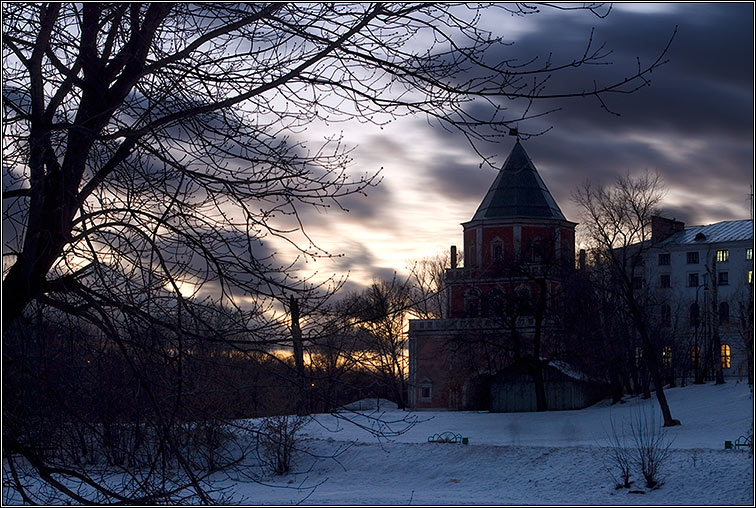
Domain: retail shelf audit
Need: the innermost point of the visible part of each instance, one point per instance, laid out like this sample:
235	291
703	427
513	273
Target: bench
447	437
741	442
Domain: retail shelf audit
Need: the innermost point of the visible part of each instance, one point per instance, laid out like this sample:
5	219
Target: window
750	276
664	281
695	356
666	315
722	278
749	253
426	390
694	314
496	303
725	356
692	258
692	280
663	259
472	303
723	256
497	252
724	313
667	356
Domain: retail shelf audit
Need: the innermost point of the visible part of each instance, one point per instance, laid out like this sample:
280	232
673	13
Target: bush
276	439
647	451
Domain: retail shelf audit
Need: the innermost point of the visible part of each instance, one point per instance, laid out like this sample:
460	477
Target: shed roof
518	191
725	231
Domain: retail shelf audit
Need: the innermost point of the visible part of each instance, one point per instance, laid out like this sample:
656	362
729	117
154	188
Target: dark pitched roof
518	191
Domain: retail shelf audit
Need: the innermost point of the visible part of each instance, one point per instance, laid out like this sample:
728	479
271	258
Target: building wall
682	292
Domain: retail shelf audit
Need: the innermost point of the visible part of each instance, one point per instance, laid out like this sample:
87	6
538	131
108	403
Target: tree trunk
652	363
296	337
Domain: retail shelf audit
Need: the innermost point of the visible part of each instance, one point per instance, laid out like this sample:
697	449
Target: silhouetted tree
617	220
153	146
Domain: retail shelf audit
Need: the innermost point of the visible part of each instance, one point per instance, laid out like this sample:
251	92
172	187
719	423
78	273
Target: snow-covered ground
547	458
521	458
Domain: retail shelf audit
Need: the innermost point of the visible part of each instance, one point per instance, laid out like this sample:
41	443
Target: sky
694	125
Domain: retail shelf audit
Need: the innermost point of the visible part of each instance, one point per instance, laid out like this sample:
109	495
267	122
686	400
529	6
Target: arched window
496	302
497	250
724	313
725	356
472	303
694	314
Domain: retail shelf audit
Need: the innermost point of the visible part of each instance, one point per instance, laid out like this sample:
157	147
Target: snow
551	458
521	458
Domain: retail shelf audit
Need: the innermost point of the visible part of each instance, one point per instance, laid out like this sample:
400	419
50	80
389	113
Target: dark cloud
694	124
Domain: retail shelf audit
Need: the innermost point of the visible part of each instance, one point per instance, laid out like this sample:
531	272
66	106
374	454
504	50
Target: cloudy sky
694	125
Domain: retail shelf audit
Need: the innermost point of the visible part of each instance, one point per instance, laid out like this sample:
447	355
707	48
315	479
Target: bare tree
428	284
155	146
618	224
381	311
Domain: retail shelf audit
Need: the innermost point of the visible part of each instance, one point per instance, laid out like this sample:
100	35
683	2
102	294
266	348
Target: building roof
518	191
725	231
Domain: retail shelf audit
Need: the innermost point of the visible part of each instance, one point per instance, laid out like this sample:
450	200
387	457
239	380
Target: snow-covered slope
520	458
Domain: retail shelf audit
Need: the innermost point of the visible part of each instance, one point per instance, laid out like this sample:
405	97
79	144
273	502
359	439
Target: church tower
518	250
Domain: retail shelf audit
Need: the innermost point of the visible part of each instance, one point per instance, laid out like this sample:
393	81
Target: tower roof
518	191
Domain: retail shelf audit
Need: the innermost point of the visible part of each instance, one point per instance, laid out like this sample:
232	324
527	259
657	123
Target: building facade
699	282
518	249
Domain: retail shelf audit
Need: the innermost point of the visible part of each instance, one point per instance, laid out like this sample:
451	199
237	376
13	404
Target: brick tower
518	249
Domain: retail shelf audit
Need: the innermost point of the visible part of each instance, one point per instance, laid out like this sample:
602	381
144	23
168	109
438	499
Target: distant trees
617	221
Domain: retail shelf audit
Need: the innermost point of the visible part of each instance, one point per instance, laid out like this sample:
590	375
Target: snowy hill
520	458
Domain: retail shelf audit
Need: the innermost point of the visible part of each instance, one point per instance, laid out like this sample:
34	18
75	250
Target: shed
513	390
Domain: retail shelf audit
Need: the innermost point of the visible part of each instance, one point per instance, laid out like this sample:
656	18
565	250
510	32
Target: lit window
725	356
750	276
664	281
663	259
692	258
695	356
692	280
723	256
749	253
667	356
722	278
